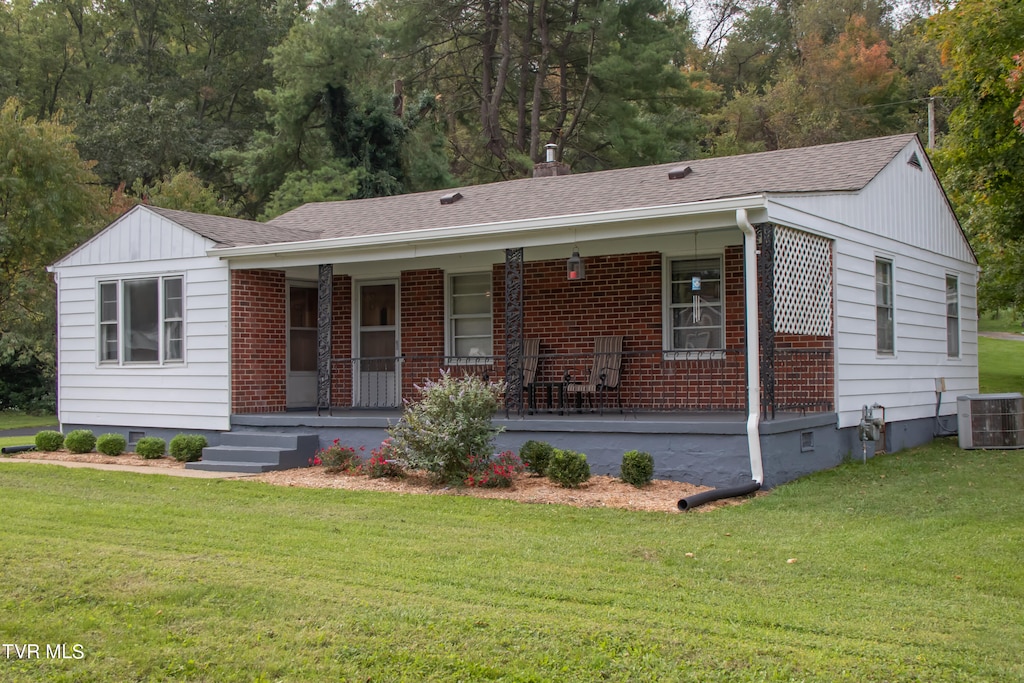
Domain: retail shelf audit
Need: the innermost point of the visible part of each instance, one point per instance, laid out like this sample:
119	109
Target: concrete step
270	439
240	467
243	454
258	452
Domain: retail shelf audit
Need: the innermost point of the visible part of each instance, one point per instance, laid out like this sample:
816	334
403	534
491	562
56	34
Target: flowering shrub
493	473
450	421
383	462
336	458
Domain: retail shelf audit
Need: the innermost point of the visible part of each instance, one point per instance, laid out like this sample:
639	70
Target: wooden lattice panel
803	283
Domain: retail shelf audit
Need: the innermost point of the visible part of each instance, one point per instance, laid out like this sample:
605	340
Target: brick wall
620	295
421	313
804	372
258	341
341	341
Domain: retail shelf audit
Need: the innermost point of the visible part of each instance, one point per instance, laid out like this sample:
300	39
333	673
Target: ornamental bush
536	455
49	440
637	468
384	462
495	472
449	422
567	468
336	458
111	444
151	447
80	441
188	447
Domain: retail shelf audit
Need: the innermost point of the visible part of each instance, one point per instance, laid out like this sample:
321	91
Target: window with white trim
952	316
469	324
696	313
885	328
142	320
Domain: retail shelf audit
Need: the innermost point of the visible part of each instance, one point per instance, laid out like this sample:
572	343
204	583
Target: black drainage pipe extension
16	449
696	499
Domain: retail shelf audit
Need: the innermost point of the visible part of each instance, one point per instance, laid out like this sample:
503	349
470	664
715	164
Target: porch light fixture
574	267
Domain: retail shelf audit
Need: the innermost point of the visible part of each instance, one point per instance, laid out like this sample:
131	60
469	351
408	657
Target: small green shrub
49	440
536	455
111	444
151	447
568	469
637	468
188	447
80	441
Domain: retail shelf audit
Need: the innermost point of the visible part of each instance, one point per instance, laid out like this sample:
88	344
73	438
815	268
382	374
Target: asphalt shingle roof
839	167
233	232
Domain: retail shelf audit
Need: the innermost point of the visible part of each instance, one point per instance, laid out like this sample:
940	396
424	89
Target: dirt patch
599	491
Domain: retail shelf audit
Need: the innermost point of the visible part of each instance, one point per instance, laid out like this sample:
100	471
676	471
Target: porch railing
651	381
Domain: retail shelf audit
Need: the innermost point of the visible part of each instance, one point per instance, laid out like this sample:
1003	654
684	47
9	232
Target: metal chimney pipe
549	152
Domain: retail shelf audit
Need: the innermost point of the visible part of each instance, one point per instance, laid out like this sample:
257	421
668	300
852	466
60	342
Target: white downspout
753	345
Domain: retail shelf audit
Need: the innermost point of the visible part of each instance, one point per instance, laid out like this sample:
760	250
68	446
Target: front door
301	376
377	345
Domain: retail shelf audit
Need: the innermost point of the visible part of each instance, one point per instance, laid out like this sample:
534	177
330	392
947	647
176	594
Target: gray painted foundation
704	449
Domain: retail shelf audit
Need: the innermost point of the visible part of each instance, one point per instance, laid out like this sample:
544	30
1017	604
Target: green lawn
907	568
13	419
1000	365
1003	321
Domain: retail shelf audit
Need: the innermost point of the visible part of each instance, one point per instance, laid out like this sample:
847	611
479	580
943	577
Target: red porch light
574	266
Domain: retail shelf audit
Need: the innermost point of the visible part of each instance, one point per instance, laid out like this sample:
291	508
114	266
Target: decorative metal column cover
514	331
324	315
766	314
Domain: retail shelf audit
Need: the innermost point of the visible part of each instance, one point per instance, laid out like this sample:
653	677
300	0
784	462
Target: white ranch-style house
732	316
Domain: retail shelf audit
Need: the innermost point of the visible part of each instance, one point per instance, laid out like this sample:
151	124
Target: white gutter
507	230
753	345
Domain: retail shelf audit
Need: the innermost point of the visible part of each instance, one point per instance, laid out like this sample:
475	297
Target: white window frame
952	317
889	305
117	325
450	317
668	337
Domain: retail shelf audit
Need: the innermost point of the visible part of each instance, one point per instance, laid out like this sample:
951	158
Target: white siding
901	216
902	203
194	395
138	235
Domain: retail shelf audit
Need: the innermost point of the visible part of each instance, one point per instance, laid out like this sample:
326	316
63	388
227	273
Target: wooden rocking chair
531	356
604	375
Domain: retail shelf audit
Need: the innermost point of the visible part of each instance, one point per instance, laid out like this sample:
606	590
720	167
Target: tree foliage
982	157
253	107
49	202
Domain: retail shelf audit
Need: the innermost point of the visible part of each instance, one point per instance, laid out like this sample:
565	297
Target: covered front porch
667	339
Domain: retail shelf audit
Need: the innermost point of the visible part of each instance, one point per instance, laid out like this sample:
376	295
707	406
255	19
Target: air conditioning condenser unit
991	421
